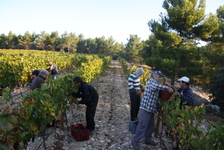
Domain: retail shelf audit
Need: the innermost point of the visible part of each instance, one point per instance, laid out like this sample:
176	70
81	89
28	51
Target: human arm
76	94
85	94
187	97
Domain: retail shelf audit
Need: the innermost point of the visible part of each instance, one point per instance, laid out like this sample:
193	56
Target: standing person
90	98
148	108
53	69
135	92
185	92
39	80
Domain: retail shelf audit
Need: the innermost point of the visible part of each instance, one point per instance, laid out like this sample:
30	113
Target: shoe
91	132
151	142
135	146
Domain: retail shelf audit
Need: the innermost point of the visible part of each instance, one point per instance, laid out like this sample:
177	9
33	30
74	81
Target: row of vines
184	126
47	104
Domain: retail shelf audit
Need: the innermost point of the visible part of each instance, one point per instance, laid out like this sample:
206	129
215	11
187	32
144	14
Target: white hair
43	72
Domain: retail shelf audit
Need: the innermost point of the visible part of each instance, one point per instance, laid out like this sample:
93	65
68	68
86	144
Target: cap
159	73
184	79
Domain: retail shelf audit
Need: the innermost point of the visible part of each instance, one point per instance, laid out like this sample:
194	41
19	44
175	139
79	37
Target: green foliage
6	94
50	102
124	65
217	90
173	48
67	42
184	125
217	35
212	57
133	48
128	70
16	65
27	40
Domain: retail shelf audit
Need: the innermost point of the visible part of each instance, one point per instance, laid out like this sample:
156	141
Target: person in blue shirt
185	92
148	108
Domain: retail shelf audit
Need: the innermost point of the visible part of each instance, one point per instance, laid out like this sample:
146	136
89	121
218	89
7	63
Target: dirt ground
112	119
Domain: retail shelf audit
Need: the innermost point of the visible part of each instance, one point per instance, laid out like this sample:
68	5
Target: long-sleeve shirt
54	69
88	94
134	83
150	98
186	95
37	82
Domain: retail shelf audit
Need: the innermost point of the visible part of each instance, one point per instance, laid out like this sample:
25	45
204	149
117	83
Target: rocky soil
112	119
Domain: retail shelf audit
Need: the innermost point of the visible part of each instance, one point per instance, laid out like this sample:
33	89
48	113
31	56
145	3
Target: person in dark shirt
39	80
185	92
89	97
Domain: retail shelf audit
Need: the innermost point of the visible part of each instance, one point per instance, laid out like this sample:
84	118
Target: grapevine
42	106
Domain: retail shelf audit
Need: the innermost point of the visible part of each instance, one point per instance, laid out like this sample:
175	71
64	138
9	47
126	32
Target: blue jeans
145	126
55	76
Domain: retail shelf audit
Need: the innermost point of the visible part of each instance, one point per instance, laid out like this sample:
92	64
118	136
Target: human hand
170	90
138	92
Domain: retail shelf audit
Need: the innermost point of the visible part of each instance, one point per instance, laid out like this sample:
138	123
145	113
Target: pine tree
177	35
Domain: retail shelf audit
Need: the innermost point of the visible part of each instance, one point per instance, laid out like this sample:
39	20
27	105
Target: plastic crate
164	95
79	132
133	126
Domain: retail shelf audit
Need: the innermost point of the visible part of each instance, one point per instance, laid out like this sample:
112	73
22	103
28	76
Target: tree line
68	42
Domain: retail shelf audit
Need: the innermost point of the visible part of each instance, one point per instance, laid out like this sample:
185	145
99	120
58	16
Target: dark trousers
90	114
135	104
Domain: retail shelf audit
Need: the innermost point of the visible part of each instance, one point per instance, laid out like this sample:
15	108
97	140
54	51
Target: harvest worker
53	69
185	92
34	74
148	108
135	92
90	98
39	80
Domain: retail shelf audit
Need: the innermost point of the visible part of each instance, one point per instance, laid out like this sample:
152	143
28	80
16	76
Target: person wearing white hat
135	92
185	92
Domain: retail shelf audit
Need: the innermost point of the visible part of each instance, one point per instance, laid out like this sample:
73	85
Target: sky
92	18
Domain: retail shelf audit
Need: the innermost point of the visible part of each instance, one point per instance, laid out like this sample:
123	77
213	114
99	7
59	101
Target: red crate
164	95
79	132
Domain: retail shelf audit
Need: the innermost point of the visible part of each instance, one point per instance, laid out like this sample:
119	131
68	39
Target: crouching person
39	80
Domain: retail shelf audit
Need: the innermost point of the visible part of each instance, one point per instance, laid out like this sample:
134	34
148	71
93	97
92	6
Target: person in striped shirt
148	108
135	92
